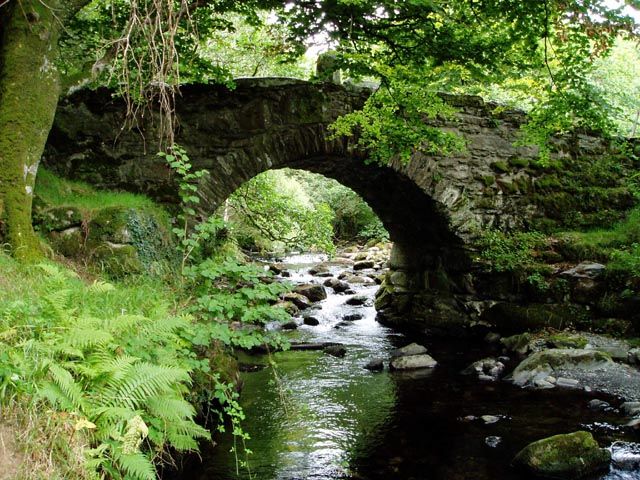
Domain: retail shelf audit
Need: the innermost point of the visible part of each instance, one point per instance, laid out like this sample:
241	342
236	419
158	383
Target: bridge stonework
434	207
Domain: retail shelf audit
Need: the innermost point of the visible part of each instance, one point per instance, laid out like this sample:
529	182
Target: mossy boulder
117	260
568	456
565	340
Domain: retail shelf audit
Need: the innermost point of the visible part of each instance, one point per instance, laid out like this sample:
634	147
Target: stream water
321	417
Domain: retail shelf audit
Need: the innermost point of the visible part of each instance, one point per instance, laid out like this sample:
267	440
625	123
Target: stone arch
434	207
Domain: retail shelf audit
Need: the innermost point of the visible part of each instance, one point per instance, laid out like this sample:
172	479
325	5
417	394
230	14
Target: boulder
337	285
411	349
352	317
315	293
411	362
569	456
585	270
363	264
312	321
297	299
290	325
542	364
335	350
375	365
358	300
630	408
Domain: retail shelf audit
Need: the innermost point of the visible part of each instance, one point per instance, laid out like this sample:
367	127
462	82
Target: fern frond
100	286
63	390
85	338
170	408
57	304
136	466
145	380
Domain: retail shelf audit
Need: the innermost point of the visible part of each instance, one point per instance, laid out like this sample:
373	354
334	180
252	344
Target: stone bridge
434	207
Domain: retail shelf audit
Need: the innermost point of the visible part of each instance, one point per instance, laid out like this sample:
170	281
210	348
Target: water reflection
316	413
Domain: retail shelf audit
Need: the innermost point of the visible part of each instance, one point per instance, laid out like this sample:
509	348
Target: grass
55	191
600	244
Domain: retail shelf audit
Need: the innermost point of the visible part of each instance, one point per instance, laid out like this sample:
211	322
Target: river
317	416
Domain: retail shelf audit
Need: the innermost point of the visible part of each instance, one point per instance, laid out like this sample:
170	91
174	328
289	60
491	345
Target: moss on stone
500	167
488	180
117	260
519	162
568	456
565	340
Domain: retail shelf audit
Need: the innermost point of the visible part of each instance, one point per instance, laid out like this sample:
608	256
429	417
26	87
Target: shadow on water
323	417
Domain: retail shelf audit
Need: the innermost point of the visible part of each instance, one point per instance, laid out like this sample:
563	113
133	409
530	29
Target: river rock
375	365
598	405
411	349
342	324
357	279
492	441
630	408
297	299
358	300
311	321
289	307
335	350
337	285
275	269
633	356
626	456
363	264
568	456
543	364
411	362
352	317
519	344
485	369
290	325
490	419
319	270
315	293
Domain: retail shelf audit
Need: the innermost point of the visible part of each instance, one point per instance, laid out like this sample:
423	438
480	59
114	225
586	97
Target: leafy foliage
276	208
509	252
123	377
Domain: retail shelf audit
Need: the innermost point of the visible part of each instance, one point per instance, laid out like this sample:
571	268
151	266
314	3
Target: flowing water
319	417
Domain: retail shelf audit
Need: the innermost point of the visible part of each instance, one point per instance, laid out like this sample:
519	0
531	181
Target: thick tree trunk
29	91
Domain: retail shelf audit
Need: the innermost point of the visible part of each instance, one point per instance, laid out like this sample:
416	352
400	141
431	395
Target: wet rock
315	293
411	362
630	408
568	456
360	256
363	264
275	269
290	325
598	405
312	346
490	419
357	279
517	343
342	324
625	456
335	350
251	367
352	317
492	441
285	273
633	356
312	321
585	270
542	364
337	285
375	365
492	337
411	349
358	300
288	307
297	299
319	270
485	369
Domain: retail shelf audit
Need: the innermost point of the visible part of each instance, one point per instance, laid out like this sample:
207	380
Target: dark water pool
320	417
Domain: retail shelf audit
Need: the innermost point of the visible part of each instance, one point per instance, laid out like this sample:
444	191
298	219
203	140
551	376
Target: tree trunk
29	91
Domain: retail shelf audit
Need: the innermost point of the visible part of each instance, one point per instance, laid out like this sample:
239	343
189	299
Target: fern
63	390
136	466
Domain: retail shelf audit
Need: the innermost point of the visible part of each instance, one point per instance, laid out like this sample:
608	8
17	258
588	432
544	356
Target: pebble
567	382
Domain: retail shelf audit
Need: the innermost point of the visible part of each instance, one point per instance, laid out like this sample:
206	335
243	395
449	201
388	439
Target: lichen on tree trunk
29	92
